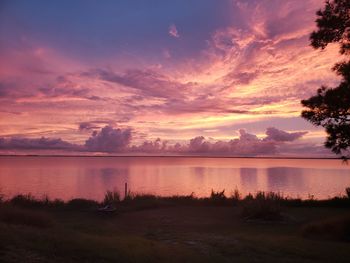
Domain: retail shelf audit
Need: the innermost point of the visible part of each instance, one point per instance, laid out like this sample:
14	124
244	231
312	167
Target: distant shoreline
176	156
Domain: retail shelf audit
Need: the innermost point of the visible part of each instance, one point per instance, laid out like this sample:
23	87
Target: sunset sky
204	76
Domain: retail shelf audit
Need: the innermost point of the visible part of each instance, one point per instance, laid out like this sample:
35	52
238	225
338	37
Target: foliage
111	198
347	190
330	107
262	206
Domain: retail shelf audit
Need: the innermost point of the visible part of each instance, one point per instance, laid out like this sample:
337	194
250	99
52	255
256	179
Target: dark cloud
149	82
274	134
87	126
95	124
37	144
65	87
109	140
13	90
156	146
198	144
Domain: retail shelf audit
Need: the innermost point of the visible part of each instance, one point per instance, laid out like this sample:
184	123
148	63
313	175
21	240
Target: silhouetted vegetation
347	190
252	205
262	206
111	198
330	108
150	228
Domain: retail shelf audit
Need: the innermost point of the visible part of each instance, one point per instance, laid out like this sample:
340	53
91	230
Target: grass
111	198
16	216
335	228
150	228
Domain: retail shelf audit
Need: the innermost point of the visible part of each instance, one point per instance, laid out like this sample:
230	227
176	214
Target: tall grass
262	206
111	198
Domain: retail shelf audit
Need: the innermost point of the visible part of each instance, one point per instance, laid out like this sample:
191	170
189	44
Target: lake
90	177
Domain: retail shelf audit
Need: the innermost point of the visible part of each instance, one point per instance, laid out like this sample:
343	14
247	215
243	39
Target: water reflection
68	177
249	178
287	179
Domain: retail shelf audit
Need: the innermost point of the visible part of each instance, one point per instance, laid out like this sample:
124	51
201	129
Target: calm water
90	177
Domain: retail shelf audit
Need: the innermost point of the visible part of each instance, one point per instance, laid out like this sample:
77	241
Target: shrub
236	197
262	206
26	200
218	197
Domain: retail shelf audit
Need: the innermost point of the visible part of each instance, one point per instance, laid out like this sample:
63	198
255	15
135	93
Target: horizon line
176	156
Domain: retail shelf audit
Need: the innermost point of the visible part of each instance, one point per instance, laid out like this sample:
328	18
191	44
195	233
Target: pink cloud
173	31
117	140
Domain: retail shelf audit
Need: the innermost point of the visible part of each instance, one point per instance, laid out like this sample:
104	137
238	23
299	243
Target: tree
330	107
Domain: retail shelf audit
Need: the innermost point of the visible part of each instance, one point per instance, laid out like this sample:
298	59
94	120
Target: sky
160	77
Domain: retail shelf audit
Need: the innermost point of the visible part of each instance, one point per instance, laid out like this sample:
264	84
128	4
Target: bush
236	197
218	197
26	200
17	216
262	206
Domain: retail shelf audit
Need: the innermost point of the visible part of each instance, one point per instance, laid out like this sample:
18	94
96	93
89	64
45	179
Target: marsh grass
111	198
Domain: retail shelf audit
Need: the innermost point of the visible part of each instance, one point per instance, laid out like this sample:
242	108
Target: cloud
95	124
87	126
109	140
149	82
36	144
274	134
198	144
65	87
246	145
116	140
251	62
156	146
173	31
